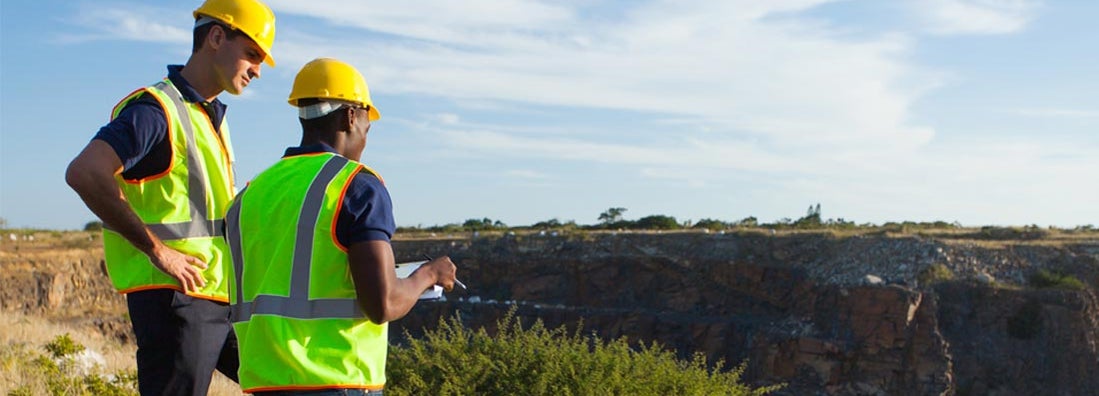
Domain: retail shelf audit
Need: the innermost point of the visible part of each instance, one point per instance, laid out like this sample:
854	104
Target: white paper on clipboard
406	269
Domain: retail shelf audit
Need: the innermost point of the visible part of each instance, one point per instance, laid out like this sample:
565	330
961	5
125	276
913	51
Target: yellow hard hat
251	17
327	78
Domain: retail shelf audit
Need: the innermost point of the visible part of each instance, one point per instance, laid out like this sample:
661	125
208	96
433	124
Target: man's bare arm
91	175
381	294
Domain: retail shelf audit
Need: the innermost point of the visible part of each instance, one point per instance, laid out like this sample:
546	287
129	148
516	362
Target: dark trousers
180	341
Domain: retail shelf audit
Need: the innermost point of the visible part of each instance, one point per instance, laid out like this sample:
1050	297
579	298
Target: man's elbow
377	313
75	178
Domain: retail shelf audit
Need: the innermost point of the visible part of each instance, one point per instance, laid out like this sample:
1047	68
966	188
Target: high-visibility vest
293	303
183	206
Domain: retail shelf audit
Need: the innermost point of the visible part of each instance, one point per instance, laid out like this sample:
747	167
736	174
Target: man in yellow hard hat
160	177
313	283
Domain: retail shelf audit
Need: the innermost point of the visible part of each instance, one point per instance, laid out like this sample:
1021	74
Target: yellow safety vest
184	206
294	308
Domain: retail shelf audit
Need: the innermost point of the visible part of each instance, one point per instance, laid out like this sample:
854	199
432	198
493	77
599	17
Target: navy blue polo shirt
367	210
139	134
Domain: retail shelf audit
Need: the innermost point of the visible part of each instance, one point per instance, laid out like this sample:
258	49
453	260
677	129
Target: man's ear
215	37
349	117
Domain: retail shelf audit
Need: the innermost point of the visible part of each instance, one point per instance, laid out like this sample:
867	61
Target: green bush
1045	279
452	360
54	374
934	273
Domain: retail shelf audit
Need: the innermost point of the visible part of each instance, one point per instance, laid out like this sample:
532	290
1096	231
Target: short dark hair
200	33
327	123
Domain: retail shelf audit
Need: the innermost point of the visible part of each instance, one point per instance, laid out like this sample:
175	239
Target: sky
981	112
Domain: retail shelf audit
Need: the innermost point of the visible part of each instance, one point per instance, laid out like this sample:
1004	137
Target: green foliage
452	360
554	224
93	226
934	273
1010	233
62	346
657	222
485	224
56	374
612	215
1045	279
749	221
711	224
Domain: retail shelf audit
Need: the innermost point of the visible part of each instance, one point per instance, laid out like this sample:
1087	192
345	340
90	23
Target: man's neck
199	75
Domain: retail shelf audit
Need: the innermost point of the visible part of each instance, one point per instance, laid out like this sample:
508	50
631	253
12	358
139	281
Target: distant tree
3	222
657	222
94	225
749	221
612	215
711	224
483	224
811	219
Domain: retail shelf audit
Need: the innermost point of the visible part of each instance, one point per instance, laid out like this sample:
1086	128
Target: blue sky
982	112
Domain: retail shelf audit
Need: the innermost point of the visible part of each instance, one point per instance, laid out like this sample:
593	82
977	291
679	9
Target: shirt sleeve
139	129
367	212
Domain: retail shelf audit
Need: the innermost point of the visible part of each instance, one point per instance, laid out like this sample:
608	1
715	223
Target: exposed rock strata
799	307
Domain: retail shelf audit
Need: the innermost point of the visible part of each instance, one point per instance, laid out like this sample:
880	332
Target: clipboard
406	269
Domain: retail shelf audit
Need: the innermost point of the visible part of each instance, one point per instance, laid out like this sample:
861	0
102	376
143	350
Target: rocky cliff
858	315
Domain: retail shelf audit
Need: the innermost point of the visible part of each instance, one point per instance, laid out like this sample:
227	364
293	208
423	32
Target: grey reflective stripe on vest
297	305
200	225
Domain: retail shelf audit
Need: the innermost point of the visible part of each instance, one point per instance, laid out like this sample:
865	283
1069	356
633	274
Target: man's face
237	62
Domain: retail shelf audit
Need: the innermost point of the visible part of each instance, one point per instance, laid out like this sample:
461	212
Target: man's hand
443	271
186	269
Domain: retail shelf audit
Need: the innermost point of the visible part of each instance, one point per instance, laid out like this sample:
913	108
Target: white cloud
129	23
744	67
975	16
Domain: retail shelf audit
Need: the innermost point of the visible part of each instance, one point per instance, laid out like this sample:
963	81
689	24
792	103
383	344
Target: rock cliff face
800	308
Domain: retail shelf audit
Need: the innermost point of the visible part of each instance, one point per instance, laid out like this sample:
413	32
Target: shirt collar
310	149
175	75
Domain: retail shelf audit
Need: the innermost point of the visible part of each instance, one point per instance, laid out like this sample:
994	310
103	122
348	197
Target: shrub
935	273
657	222
1045	279
452	360
56	374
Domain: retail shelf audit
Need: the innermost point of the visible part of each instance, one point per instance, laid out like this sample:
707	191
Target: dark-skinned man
314	281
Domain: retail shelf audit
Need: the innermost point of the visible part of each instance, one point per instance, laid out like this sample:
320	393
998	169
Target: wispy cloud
1059	113
128	23
743	67
975	16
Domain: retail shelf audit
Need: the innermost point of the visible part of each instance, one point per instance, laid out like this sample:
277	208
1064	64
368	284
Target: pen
456	281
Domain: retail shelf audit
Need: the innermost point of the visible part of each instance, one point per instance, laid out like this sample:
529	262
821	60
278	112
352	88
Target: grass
1045	279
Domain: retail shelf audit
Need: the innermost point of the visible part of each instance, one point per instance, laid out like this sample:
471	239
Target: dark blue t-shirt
367	210
139	134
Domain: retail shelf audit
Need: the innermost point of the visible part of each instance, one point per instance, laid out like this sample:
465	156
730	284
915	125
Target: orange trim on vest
224	151
176	288
316	387
339	205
